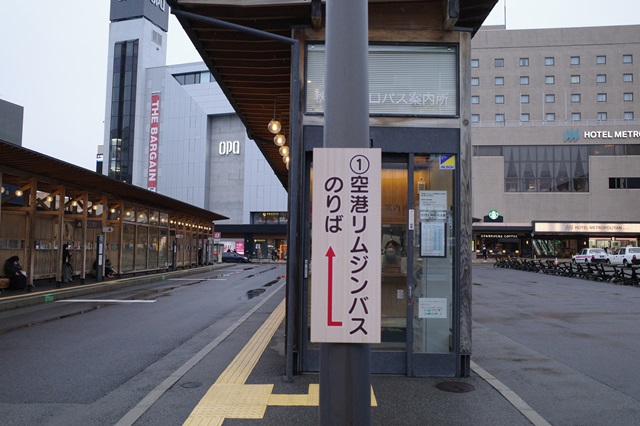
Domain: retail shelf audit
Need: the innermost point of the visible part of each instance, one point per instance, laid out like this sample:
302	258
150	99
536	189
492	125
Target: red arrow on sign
330	322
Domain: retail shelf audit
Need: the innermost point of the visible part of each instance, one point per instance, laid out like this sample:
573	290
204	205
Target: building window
500	118
628	115
549	99
525	117
627	59
601	59
524	62
576	116
499	99
575	79
550	116
628	97
499	81
602	97
475	118
549	61
123	107
475	63
574	60
624	183
601	78
524	99
499	62
549	79
475	81
575	98
602	116
188	78
524	81
627	78
475	99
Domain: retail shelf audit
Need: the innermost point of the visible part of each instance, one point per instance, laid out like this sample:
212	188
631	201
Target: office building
556	139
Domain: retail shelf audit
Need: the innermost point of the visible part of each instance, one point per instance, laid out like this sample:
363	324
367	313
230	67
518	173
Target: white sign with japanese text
346	252
432	307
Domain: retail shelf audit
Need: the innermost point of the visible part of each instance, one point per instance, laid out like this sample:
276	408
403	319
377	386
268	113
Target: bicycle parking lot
623	275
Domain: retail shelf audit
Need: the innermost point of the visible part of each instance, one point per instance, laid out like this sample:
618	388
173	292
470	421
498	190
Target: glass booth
419	299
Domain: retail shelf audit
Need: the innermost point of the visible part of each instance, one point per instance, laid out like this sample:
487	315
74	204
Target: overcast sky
53	61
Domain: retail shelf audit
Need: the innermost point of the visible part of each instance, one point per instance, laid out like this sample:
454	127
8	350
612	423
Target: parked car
625	256
233	257
590	255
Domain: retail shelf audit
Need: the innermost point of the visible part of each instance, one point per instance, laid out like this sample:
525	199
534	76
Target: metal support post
345	369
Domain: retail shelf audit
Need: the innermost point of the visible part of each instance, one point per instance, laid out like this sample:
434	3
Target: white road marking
103	301
196	279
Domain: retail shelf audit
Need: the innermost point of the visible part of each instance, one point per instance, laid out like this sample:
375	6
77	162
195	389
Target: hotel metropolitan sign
573	135
585	227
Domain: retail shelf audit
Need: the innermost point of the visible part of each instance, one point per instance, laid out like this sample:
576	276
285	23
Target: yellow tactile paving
238	371
311	399
230	398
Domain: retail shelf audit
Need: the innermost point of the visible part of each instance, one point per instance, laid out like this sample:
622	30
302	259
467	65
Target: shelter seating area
588	271
47	204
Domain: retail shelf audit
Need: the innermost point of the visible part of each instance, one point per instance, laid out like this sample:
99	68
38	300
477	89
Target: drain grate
455	387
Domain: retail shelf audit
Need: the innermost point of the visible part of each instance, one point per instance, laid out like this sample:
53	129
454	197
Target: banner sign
346	271
154	129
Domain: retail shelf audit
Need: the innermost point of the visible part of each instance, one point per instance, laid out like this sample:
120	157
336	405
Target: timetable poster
433	237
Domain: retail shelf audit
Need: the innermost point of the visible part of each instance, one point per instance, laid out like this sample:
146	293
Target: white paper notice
432	307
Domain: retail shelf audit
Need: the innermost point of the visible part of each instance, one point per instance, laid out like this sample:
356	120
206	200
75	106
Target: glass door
389	356
434	258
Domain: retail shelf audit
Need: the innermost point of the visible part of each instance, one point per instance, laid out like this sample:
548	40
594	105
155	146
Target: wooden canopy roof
255	73
18	165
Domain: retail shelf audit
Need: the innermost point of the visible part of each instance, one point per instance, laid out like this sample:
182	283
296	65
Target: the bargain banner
154	130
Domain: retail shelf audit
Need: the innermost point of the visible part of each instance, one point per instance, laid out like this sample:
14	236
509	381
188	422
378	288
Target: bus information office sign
346	252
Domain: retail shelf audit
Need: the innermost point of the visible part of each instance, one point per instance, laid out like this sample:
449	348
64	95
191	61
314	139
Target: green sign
493	214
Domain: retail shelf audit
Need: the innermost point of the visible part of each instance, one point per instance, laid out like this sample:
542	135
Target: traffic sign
345	292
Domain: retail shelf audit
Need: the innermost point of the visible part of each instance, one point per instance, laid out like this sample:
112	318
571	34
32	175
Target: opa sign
229	147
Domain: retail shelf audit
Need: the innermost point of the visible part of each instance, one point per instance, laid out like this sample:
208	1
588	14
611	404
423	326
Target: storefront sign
504	236
447	162
583	227
424	83
160	3
345	295
154	129
229	147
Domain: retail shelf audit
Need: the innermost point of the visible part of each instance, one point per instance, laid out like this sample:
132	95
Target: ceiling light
279	139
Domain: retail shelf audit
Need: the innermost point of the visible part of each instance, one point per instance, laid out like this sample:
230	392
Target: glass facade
546	168
123	108
550	168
